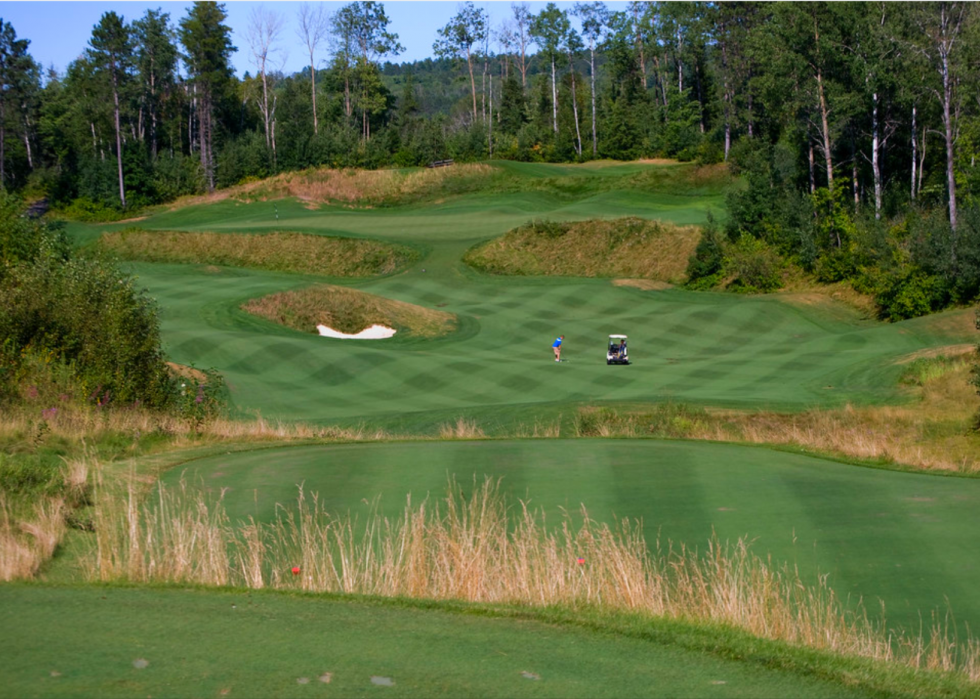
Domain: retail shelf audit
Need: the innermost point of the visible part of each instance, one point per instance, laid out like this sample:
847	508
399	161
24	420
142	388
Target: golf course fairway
708	348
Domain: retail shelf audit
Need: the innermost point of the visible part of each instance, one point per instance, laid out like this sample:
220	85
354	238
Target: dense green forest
854	126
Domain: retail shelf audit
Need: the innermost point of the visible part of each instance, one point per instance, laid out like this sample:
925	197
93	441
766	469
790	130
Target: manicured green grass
907	539
119	642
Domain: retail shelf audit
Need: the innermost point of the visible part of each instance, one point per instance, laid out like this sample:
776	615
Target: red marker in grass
580	561
295	570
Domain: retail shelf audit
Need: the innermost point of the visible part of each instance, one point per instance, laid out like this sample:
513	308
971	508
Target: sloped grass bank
349	311
627	247
277	252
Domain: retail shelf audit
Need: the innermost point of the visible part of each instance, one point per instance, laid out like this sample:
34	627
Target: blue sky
59	31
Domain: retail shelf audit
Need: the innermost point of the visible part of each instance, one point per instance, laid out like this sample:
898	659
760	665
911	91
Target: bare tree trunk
750	115
27	145
914	155
950	139
595	140
813	181
875	162
115	98
728	136
347	104
316	126
272	117
469	63
922	162
153	116
490	121
578	133
554	96
483	89
825	133
265	107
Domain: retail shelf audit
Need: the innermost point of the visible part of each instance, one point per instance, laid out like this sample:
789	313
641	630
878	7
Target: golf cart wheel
608	362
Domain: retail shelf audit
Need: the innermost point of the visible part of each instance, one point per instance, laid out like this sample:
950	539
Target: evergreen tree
208	48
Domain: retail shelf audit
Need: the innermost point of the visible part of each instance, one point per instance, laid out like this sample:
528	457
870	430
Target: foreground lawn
118	642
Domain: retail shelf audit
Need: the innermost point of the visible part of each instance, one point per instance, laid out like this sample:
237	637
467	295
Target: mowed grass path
83	642
907	539
707	348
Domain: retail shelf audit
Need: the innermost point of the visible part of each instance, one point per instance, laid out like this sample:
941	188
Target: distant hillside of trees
855	126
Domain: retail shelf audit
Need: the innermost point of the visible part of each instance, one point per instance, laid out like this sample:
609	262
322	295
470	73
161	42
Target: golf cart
617	353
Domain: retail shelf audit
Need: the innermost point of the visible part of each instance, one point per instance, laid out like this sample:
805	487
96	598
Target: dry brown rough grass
350	311
630	248
281	252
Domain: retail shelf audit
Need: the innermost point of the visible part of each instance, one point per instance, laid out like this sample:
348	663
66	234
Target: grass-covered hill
496	599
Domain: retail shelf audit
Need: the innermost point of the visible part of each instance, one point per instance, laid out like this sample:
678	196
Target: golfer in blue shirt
557	347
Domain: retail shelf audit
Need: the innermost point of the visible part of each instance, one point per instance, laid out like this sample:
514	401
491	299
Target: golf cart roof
617	337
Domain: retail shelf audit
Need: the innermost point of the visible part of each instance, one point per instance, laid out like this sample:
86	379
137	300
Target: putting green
907	539
107	642
708	348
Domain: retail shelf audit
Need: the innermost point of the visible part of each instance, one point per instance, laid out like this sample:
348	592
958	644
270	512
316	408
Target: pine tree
208	48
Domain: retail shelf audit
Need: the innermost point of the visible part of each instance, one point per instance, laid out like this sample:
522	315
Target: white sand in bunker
373	332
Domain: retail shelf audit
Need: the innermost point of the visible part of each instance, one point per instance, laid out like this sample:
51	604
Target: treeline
856	125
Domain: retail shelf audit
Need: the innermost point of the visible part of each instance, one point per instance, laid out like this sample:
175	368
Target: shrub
79	314
754	265
705	265
910	294
86	210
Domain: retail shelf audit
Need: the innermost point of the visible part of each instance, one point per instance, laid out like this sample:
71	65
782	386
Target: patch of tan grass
643	284
27	543
625	248
482	549
350	311
461	429
830	297
281	252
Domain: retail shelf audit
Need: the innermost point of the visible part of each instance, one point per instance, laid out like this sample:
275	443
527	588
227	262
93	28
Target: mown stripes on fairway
684	346
907	539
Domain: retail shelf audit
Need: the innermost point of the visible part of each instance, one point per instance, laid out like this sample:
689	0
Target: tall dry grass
281	252
480	548
625	248
86	424
26	543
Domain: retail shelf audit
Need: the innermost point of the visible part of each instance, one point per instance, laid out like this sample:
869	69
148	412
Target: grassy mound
279	252
349	311
626	247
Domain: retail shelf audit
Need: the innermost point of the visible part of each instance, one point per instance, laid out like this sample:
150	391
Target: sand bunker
374	332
